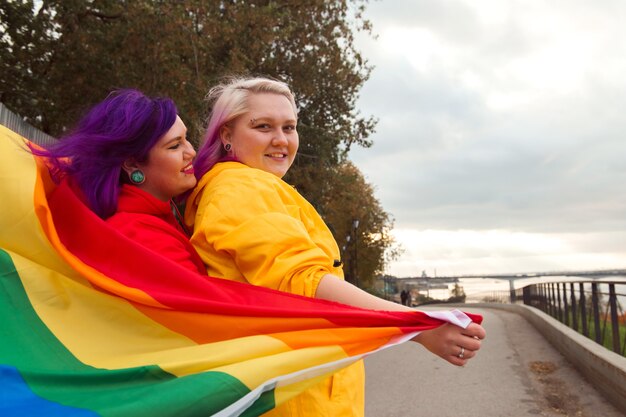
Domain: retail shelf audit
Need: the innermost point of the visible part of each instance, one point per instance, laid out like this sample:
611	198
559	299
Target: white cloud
502	115
420	47
463	252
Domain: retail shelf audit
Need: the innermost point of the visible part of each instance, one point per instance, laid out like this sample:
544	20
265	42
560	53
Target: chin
279	174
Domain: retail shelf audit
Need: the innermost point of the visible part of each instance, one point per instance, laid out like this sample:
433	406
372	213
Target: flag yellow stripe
102	330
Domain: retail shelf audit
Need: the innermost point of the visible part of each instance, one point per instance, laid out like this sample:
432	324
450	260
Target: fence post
573	302
583	309
614	319
526	297
559	311
596	312
552	303
548	292
565	306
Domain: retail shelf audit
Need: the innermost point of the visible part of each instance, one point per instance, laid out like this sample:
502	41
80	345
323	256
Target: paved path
516	374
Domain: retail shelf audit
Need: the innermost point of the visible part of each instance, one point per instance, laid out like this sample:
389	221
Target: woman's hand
453	343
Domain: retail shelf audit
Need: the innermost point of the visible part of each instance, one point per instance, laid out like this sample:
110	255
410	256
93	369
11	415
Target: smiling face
168	169
265	137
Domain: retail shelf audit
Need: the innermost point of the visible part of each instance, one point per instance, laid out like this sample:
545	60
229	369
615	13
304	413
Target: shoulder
236	181
234	174
159	236
233	192
134	224
150	231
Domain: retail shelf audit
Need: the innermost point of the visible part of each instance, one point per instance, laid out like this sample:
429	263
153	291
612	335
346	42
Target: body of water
477	289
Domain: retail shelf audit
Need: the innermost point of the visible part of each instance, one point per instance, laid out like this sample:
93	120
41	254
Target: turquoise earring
137	177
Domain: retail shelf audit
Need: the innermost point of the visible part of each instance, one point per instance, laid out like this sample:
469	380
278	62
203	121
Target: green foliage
25	58
58	57
605	331
458	294
73	52
351	198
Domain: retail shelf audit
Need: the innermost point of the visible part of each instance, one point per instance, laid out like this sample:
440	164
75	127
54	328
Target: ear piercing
137	177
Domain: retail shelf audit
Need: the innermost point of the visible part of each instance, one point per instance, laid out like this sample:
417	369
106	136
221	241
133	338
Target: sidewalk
517	373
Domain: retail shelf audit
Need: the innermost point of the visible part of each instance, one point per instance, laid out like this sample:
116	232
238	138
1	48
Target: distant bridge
594	274
443	281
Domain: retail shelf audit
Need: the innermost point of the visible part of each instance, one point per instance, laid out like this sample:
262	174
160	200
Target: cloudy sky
501	140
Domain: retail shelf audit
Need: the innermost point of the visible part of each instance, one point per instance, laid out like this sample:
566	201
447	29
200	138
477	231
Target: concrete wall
605	369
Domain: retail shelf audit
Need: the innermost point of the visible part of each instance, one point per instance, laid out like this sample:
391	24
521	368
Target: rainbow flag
93	324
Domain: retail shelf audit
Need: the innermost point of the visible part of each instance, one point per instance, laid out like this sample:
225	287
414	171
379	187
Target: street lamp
347	261
355	227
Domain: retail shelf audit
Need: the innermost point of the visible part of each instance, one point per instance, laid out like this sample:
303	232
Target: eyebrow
256	120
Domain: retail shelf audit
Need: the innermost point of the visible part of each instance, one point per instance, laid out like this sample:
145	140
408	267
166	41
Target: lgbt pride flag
93	324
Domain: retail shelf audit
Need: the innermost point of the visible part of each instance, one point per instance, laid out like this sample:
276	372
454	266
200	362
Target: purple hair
229	100
125	125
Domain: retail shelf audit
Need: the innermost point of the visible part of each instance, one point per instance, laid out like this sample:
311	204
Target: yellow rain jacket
251	226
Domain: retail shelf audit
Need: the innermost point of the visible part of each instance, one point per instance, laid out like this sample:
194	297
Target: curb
605	369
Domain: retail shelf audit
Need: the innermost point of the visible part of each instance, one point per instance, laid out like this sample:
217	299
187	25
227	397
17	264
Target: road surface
517	373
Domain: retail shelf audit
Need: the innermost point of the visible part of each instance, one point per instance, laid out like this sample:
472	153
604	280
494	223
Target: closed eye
175	143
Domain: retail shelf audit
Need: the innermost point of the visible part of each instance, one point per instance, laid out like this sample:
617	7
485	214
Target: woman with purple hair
128	157
251	226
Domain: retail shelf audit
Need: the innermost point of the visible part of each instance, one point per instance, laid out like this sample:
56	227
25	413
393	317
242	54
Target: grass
606	331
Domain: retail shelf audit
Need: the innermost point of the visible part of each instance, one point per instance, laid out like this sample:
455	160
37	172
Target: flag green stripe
264	404
53	373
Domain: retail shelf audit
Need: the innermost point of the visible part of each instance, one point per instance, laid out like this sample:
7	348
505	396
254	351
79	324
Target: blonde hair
229	100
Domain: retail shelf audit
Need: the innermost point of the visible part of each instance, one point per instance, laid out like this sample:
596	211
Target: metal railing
592	308
18	125
496	296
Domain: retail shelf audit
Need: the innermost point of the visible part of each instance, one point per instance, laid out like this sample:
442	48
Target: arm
335	289
252	227
445	341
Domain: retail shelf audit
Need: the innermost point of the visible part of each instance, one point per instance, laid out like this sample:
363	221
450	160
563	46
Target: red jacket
150	222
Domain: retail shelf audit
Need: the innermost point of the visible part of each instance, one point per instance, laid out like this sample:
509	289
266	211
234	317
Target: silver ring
462	354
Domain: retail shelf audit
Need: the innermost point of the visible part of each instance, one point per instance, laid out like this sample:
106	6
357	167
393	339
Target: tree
68	54
458	294
25	45
351	198
58	57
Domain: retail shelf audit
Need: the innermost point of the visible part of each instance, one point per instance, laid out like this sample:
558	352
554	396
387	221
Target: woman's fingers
452	343
475	330
468	342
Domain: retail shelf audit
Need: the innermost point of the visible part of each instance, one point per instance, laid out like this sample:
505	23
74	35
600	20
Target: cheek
254	148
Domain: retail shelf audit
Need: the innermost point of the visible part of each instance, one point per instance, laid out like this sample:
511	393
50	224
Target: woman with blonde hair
251	226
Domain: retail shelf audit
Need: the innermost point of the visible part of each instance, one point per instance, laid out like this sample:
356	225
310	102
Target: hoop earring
228	147
137	177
